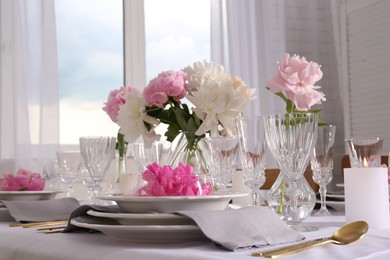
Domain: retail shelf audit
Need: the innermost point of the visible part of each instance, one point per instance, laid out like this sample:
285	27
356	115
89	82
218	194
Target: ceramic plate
169	204
143	233
144	219
28	195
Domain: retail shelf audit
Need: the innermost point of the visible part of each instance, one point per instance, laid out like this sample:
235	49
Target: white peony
219	99
131	118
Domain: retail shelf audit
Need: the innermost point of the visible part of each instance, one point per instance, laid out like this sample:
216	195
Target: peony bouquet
24	180
215	99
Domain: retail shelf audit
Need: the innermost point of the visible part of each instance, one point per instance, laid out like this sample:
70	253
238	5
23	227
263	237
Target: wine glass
50	172
69	163
250	130
223	153
97	154
291	138
322	163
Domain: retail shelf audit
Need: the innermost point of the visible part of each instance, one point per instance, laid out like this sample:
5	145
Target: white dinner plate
144	219
169	204
143	233
28	195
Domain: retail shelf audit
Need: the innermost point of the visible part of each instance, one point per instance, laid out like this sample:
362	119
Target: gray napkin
244	227
41	210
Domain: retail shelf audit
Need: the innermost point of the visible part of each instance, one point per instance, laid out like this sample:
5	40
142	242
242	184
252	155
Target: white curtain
29	86
249	37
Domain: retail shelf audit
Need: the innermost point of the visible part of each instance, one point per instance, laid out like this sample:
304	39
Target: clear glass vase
191	149
278	200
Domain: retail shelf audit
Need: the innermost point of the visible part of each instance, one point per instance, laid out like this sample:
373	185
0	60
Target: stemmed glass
97	153
223	152
322	163
291	138
69	163
50	172
250	131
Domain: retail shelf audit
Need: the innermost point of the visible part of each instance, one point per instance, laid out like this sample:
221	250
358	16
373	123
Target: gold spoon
345	235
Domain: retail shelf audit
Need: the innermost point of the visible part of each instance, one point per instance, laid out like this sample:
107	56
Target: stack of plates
23	195
150	219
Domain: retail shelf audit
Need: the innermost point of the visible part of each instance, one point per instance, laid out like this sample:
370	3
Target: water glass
97	154
322	163
364	151
69	163
250	130
223	159
50	172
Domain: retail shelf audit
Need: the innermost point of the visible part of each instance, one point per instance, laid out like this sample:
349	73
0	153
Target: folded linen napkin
82	211
232	229
41	210
244	227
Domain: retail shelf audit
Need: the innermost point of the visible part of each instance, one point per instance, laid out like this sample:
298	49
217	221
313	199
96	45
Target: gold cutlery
39	224
345	235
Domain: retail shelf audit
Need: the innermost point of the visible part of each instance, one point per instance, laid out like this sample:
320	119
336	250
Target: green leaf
172	132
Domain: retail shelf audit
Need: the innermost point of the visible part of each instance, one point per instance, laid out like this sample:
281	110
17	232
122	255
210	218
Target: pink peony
165	181
24	180
296	78
166	84
115	100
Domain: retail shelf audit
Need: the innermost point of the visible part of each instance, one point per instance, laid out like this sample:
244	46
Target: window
90	47
90	57
177	34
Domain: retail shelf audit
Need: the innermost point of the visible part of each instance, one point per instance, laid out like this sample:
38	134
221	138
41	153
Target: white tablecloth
22	243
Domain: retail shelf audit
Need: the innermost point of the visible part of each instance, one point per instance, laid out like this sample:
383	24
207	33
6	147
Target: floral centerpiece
216	98
23	180
295	82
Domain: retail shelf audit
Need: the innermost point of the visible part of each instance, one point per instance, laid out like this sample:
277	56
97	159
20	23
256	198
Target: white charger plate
144	219
169	204
142	233
29	195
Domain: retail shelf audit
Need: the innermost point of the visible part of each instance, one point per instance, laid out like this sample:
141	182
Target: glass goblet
322	163
97	154
253	146
223	153
69	163
51	174
291	138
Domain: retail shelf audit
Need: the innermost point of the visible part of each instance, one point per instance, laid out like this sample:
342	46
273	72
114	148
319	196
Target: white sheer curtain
29	86
249	37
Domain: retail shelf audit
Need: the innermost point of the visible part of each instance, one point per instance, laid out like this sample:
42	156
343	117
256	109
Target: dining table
19	243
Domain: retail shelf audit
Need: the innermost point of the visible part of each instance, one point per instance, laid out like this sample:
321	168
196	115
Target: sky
90	47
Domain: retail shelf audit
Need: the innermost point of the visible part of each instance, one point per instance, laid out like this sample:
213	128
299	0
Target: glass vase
279	202
191	149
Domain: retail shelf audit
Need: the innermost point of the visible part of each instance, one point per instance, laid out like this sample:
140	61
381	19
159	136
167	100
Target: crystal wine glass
250	131
97	153
291	138
223	153
322	163
69	163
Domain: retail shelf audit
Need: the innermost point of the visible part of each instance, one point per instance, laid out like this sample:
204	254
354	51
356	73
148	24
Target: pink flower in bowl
166	84
24	180
165	181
